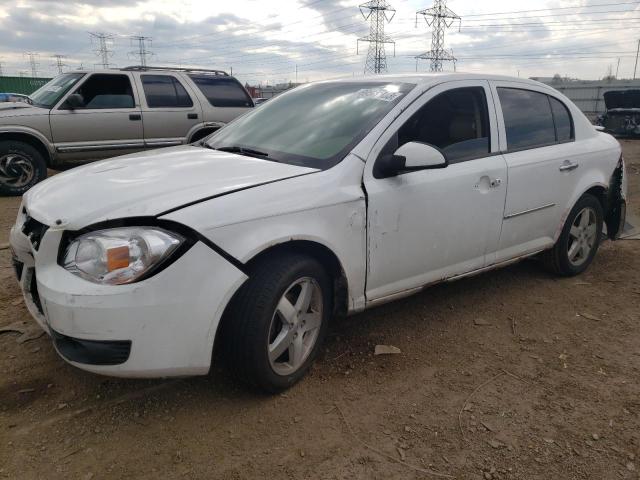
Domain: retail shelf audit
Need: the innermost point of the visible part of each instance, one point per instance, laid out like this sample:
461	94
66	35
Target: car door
428	225
106	122
537	140
170	111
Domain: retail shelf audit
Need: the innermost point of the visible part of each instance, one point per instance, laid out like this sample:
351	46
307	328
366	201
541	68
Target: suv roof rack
199	70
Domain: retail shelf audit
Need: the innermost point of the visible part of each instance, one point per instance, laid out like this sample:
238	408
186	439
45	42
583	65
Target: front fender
38	135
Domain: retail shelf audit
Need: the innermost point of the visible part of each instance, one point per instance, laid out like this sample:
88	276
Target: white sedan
329	199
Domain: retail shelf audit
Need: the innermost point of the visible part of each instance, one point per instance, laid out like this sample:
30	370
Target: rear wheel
21	167
579	240
278	320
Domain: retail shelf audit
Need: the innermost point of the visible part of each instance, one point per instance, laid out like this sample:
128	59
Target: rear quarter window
222	91
562	119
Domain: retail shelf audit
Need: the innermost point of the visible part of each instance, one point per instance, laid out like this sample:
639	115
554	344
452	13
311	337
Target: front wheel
278	320
579	240
21	167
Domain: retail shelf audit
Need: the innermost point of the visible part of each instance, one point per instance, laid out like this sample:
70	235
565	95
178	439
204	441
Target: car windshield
49	94
314	125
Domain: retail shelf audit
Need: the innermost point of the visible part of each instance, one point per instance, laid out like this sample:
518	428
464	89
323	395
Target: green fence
26	85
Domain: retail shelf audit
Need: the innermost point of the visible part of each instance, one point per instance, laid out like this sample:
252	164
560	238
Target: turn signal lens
117	257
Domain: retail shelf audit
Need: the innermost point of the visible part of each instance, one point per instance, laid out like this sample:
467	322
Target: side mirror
420	156
74	101
411	157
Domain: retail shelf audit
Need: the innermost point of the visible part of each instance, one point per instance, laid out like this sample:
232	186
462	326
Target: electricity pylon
439	17
380	11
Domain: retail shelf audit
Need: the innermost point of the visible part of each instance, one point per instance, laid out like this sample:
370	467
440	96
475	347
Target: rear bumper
159	327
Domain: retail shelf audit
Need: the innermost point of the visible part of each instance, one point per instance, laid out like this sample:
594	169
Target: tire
577	245
255	323
21	167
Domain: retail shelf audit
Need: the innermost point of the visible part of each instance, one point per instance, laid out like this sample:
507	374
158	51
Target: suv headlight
119	255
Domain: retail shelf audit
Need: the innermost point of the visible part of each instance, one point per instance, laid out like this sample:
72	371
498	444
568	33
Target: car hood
622	99
14	109
148	184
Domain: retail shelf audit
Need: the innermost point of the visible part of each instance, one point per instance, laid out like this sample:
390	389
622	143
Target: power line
103	51
142	53
380	11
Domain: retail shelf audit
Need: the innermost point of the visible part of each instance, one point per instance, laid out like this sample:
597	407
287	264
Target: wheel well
203	132
601	194
325	257
31	140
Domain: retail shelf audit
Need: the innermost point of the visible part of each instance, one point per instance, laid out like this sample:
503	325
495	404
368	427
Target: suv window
528	119
456	122
222	91
103	91
562	120
165	91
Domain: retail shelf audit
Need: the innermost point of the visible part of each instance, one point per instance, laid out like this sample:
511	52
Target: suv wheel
21	167
278	321
579	239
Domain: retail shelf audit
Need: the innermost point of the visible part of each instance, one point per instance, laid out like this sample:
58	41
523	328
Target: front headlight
119	255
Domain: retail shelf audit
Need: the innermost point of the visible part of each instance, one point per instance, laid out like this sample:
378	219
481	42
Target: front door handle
135	116
567	166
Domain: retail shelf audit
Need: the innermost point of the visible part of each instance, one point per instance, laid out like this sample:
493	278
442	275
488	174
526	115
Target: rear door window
528	119
222	91
165	91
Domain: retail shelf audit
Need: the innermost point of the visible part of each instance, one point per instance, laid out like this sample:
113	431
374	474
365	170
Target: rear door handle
192	116
135	116
567	166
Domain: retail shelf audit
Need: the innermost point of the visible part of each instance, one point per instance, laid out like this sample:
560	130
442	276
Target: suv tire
272	334
21	167
579	240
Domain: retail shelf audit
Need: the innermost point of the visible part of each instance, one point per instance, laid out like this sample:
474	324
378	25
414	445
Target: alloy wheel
295	326
16	170
583	235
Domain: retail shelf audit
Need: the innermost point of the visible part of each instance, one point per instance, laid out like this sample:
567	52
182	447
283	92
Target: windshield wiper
242	151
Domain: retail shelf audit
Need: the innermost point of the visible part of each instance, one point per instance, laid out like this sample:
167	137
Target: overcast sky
263	41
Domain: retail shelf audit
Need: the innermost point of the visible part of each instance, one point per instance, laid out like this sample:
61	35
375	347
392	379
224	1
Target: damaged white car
329	199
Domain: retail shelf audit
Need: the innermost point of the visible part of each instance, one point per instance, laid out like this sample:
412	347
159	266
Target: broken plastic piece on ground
386	350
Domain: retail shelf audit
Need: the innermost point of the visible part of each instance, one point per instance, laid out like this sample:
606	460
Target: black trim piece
195	202
18	266
190	235
92	352
35	230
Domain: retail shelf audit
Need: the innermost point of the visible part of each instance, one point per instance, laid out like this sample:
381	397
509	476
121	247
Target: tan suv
83	116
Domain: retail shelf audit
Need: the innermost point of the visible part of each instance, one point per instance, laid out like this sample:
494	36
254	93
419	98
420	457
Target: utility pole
440	17
380	11
104	40
32	63
618	68
142	51
59	63
636	67
1	74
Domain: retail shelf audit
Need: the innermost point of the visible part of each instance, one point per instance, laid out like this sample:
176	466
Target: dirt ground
514	374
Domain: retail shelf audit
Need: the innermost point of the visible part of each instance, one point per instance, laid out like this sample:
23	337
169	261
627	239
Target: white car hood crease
147	184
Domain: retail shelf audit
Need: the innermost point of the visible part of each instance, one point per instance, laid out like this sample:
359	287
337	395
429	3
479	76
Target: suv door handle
567	166
192	116
135	116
